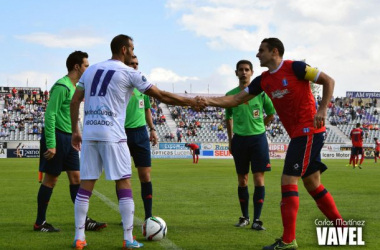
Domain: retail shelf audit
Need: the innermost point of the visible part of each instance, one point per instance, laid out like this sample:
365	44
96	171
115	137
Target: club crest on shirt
143	78
284	82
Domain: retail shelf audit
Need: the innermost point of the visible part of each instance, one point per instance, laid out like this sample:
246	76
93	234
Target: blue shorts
139	146
352	151
357	150
252	150
303	157
66	157
196	151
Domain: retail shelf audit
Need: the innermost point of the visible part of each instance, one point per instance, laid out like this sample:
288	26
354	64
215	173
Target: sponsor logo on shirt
306	130
100	111
256	113
141	104
279	93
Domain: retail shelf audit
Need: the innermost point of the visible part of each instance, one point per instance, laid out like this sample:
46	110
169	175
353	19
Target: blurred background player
106	88
194	151
137	117
353	158
248	144
287	83
377	149
356	137
57	154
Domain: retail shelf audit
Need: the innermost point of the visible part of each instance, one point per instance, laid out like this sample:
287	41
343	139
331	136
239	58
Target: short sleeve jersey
357	137
377	146
57	113
289	89
248	117
193	146
135	116
108	87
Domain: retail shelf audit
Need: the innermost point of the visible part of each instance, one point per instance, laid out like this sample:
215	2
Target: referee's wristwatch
152	129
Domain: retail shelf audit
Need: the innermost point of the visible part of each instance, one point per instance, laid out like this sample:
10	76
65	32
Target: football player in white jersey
106	88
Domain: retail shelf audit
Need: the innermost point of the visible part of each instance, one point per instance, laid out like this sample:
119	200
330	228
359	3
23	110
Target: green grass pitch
198	202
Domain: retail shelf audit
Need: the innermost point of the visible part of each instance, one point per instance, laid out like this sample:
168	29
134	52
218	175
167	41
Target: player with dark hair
287	83
248	144
57	154
106	88
356	137
139	115
377	149
194	151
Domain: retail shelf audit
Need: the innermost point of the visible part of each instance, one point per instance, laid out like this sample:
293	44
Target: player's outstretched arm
76	138
228	101
170	98
328	89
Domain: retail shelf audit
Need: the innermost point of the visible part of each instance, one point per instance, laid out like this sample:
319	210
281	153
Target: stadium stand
345	117
22	118
22	114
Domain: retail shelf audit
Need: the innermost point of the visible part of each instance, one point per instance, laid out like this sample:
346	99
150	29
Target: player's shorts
303	157
139	146
377	153
66	157
112	157
358	150
352	151
196	151
252	150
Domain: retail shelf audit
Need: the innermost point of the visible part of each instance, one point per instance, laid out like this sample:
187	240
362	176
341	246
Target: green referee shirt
248	117
135	116
57	113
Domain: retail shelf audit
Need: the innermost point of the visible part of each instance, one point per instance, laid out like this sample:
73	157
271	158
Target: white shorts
113	157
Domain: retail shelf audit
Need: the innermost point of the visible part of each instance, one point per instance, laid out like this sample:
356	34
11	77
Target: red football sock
197	158
352	159
361	160
193	158
289	210
326	204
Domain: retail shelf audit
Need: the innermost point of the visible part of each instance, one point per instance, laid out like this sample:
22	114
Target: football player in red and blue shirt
194	150
287	83
356	136
377	149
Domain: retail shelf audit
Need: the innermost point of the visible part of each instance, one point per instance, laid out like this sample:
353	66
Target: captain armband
312	74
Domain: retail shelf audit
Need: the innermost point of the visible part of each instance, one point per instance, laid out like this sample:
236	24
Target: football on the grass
154	228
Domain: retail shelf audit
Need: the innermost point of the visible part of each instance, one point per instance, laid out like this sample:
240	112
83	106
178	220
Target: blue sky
181	43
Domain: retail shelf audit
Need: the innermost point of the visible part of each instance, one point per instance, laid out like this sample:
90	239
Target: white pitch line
165	243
